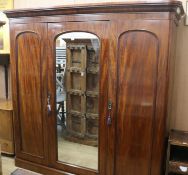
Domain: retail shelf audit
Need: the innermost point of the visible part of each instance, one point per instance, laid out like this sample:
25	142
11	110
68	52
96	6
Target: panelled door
28	63
78	56
142	64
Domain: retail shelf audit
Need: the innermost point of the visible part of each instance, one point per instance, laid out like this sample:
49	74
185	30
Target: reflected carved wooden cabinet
91	87
82	88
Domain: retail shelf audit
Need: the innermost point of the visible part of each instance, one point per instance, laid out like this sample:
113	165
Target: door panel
77	92
30	94
142	66
29	88
137	80
86	105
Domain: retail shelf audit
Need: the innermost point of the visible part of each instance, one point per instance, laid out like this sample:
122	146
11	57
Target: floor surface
8	165
78	154
75	153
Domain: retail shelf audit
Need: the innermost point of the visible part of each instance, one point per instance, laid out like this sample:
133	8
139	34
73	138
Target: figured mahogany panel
29	90
137	75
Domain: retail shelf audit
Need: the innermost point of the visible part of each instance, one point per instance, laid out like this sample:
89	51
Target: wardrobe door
77	88
142	64
29	90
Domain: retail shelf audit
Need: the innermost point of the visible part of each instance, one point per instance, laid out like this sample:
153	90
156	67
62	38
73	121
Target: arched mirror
77	90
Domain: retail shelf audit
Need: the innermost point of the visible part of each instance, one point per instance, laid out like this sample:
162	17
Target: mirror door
77	91
77	96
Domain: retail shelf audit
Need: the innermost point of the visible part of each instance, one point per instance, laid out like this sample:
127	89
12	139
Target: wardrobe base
38	168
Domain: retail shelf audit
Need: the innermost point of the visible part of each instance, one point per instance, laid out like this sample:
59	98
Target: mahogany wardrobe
90	86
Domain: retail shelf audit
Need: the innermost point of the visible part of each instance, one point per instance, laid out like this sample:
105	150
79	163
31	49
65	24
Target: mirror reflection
77	90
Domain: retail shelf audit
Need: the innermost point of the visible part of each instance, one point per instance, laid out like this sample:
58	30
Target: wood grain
176	167
178	138
127	6
29	94
6	127
29	84
6	105
137	75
